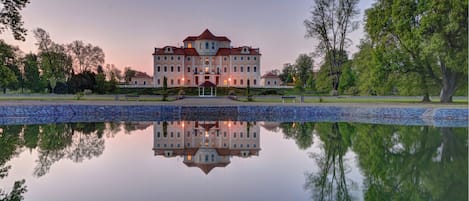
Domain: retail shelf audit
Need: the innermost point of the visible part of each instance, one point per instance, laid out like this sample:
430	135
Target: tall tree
287	74
85	57
303	68
10	17
9	62
426	38
128	74
55	63
32	78
330	23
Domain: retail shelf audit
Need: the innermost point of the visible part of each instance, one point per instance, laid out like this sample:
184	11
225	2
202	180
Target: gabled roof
270	75
139	74
207	35
237	51
176	51
207	84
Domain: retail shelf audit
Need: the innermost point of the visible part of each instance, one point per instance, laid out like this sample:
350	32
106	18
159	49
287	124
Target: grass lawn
347	100
74	98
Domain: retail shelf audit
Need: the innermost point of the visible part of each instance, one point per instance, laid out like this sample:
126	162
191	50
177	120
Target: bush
87	92
181	94
79	95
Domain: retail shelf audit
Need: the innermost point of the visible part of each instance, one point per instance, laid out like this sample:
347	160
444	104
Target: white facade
207	58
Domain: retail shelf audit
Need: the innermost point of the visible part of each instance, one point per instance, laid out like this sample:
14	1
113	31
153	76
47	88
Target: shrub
79	95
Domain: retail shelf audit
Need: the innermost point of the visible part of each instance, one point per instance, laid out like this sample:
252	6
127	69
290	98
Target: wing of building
207	58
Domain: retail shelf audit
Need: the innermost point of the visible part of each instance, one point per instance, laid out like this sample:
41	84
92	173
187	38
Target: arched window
241	82
188	69
254	68
158	68
234	69
172	68
249	68
206	45
165	68
179	68
255	82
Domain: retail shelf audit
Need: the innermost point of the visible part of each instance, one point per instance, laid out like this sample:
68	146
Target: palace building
207	60
206	144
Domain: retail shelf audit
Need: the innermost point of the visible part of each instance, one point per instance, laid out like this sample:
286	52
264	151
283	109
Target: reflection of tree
412	163
31	136
9	145
330	183
301	132
77	141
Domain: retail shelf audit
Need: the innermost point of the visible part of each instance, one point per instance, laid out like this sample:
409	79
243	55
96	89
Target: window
172	82
158	58
242	58
158	81
158	135
241	69
268	82
241	146
172	58
247	135
179	82
224	134
179	58
255	69
224	70
275	82
234	69
179	68
241	135
255	58
247	145
249	69
165	58
144	82
188	133
241	82
249	58
213	45
207	77
255	82
206	45
188	58
234	82
135	82
165	68
234	58
158	68
188	69
224	58
234	135
254	145
188	81
234	145
172	135
254	135
172	68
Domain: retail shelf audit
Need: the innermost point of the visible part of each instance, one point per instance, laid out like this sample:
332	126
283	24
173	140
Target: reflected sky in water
226	160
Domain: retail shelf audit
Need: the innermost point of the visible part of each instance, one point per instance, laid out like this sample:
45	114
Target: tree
428	39
10	17
55	63
287	73
330	22
303	68
10	59
100	83
165	88
128	74
85	57
7	78
32	78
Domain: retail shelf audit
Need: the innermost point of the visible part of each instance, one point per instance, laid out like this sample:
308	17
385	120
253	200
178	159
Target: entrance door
196	80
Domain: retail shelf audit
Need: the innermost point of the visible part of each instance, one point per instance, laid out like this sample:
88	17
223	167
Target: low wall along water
40	114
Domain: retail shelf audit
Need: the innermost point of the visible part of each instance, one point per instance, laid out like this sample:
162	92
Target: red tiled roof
270	75
207	84
206	35
237	51
139	74
176	51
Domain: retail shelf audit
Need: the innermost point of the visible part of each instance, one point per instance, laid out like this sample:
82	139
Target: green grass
344	100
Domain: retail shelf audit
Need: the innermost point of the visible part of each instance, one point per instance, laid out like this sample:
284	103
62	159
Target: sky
129	30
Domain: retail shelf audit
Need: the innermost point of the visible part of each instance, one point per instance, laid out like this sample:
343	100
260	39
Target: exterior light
229	79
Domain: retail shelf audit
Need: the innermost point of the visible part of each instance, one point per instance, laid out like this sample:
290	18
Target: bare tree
86	57
330	22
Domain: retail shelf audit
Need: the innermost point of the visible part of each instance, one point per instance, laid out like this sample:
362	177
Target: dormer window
168	49
206	45
213	45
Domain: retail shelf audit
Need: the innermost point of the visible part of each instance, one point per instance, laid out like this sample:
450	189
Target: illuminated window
189	157
189	45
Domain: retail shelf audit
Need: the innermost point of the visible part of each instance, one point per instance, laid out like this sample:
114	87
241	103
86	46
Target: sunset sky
128	30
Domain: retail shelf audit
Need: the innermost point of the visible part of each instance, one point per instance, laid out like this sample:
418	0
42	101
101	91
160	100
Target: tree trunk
4	90
449	79
426	94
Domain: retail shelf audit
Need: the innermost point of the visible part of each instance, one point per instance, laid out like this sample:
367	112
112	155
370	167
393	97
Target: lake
232	160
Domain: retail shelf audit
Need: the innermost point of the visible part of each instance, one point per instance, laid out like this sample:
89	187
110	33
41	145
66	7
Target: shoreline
31	112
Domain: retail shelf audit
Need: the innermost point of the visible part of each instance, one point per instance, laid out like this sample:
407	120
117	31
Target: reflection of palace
207	144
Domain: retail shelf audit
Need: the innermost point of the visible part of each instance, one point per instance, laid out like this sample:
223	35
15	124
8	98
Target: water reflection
393	162
206	144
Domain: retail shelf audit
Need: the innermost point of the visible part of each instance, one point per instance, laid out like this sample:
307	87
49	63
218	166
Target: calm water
227	160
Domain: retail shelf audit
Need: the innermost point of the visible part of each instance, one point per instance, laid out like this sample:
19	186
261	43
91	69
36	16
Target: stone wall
97	113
